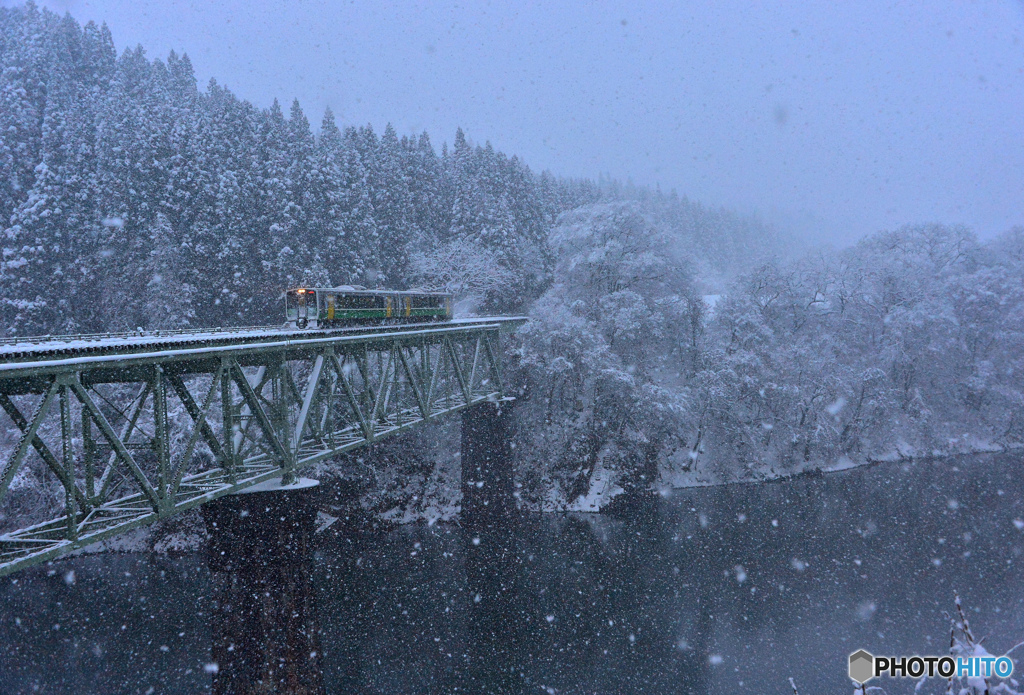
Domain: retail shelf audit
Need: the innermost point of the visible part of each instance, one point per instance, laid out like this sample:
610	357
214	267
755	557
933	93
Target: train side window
426	302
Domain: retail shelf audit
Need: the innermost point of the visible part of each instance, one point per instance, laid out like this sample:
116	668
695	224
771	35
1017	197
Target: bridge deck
48	347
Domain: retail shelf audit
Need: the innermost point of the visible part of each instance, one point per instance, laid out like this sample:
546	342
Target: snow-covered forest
670	343
909	343
131	198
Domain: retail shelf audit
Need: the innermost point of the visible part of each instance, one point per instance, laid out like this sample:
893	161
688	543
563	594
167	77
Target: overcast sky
858	115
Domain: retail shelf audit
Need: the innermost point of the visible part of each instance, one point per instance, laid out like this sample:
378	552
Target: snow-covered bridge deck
39	347
131	428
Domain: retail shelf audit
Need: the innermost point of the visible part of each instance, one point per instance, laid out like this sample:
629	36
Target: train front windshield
297	305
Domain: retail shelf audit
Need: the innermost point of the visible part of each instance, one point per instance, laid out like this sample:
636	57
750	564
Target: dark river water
719	590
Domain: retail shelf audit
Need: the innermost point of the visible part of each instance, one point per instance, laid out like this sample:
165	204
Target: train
348	305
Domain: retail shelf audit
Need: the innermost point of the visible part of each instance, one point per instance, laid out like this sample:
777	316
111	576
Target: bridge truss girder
130	439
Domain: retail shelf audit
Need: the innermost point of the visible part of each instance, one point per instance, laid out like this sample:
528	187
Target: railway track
36	348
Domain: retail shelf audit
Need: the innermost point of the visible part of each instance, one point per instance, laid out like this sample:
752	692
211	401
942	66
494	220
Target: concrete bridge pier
495	647
264	630
492	562
487	484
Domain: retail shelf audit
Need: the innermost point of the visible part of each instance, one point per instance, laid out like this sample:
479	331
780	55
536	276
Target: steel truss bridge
119	431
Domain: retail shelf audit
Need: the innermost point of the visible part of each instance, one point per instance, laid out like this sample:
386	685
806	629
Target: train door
330	307
408	306
302	313
387	307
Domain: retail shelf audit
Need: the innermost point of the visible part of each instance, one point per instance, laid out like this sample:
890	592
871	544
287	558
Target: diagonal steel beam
476	362
312	384
126	434
40	446
457	368
435	374
119	448
299	399
326	421
353	400
262	377
383	390
201	428
417	393
17	457
363	366
198	414
494	364
256	410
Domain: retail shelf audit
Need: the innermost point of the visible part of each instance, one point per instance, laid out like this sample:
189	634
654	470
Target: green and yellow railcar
331	307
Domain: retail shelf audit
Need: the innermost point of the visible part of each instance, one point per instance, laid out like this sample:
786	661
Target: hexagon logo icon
862	666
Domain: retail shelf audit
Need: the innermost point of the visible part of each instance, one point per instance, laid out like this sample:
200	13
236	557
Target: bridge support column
264	632
487	485
494	655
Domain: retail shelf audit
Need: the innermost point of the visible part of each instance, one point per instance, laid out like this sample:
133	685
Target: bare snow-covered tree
464	268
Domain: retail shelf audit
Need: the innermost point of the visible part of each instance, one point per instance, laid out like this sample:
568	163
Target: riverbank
436	497
604	489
